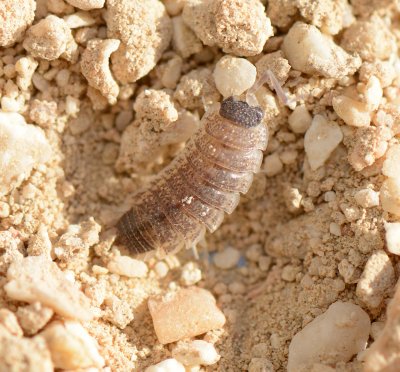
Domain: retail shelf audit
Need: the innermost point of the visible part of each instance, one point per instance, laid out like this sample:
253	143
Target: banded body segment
200	185
226	156
235	136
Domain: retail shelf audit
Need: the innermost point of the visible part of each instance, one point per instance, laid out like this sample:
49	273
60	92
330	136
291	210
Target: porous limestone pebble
272	165
335	336
391	165
187	313
24	354
36	278
300	119
376	280
71	346
33	317
197	352
9	323
227	259
390	196
240	27
384	354
22	147
144	30
373	93
234	75
95	67
393	237
15	16
371	39
311	52
167	365
352	112
79	19
260	365
118	312
184	41
50	39
127	266
87	4
320	140
191	274
367	198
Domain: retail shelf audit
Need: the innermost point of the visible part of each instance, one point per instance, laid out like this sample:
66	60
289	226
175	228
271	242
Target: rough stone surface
186	313
37	278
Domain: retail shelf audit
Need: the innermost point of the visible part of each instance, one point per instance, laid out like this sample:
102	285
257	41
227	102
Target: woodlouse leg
268	76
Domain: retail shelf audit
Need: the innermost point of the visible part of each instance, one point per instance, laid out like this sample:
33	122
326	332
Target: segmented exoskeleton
201	184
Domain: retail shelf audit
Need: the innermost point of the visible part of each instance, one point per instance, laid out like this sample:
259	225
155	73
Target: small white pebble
79	19
373	93
352	112
127	266
367	198
161	269
254	252
376	280
288	157
342	330
289	273
272	165
237	288
390	196
334	229
329	196
167	365
234	75
4	210
227	259
391	165
264	263
197	352
99	270
191	274
393	237
320	140
72	105
300	119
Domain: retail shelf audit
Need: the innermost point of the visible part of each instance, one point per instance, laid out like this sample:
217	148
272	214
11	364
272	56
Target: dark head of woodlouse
241	112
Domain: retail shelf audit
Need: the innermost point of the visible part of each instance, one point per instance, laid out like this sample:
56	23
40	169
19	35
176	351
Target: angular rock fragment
71	347
37	278
335	336
320	140
22	147
311	52
186	313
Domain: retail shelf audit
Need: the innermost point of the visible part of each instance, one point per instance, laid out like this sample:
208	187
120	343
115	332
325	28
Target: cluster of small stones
125	83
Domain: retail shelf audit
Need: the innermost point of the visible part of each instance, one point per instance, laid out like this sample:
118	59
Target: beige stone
186	313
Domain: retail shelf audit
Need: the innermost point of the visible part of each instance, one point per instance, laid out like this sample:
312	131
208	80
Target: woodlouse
201	184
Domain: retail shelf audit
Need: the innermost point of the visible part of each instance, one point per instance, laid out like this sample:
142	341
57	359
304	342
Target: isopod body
201	184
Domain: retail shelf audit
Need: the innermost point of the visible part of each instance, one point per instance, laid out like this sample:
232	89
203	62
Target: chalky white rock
197	352
167	365
311	52
234	75
393	237
22	147
127	266
335	336
320	140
